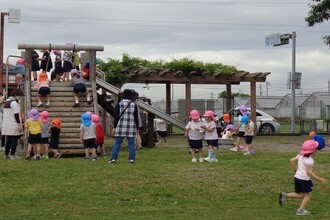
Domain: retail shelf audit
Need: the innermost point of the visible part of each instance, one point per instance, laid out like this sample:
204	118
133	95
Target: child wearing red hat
302	164
55	129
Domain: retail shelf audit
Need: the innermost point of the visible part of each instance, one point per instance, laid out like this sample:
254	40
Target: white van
266	124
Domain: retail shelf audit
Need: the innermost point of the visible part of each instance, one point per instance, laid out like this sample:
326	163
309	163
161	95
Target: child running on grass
55	129
195	136
302	164
211	136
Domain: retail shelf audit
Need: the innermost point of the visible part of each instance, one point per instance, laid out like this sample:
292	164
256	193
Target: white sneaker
194	160
207	159
214	160
14	157
302	212
235	149
247	153
201	160
39	104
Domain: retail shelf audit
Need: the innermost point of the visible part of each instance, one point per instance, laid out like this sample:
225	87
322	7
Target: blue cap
320	140
86	119
245	119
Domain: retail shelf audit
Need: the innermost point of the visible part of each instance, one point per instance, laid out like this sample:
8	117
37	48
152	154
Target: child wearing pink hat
195	135
33	128
302	164
211	136
45	134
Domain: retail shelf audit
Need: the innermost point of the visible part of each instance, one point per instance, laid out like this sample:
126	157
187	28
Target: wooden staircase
61	103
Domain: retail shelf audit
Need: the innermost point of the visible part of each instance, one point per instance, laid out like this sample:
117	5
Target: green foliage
319	13
223	94
116	70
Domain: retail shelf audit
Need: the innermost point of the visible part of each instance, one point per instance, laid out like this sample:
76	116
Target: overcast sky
231	32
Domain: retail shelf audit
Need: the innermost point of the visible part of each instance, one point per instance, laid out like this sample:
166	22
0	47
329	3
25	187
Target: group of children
38	127
196	130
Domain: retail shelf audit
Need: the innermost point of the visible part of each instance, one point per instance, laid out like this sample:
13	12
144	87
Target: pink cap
209	113
194	114
309	147
20	61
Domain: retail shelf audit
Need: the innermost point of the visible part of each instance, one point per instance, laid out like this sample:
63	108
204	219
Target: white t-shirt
250	125
160	124
192	133
210	135
303	163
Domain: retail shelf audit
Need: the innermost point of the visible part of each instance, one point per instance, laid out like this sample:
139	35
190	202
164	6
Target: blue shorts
44	140
248	139
196	144
89	143
79	87
34	138
302	186
44	90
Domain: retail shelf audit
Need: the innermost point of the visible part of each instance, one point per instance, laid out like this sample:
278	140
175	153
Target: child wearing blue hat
88	136
248	134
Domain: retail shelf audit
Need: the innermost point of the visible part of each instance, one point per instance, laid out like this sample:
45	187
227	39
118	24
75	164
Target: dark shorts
240	134
89	143
248	139
34	138
44	140
67	66
44	90
162	133
196	144
79	87
98	145
302	186
54	144
213	143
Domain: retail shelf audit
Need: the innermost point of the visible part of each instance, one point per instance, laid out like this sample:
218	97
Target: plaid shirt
127	124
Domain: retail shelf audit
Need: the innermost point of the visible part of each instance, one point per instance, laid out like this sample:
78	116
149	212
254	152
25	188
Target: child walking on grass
45	134
99	141
33	128
195	135
248	134
55	129
302	164
88	136
211	136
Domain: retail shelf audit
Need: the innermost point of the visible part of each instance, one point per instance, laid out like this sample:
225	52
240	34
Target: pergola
167	77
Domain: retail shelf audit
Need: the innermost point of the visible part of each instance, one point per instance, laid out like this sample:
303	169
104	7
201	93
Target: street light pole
1	48
293	83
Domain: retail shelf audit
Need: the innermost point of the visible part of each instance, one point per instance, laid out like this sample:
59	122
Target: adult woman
126	124
12	125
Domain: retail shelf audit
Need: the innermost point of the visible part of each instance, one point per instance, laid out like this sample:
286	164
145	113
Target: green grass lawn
162	184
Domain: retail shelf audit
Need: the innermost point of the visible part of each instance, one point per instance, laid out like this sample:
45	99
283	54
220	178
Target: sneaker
27	157
201	160
39	104
14	157
89	102
2	148
38	157
302	212
247	153
113	161
244	148
207	159
86	158
252	151
76	105
57	156
47	105
94	158
282	198
6	157
45	157
235	149
194	160
131	161
214	160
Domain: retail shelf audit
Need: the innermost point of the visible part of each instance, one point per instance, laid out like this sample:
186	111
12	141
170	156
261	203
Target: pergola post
188	99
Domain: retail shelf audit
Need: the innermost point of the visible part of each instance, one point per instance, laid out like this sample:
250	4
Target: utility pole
267	84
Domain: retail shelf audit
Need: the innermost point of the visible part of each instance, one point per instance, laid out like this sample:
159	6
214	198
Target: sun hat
44	116
42	77
243	110
57	52
312	134
86	120
34	114
309	147
209	113
74	72
230	127
57	123
245	119
319	139
95	119
226	117
194	114
20	61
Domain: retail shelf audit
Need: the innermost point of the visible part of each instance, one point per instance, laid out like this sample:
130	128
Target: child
248	134
240	129
45	134
229	132
33	128
58	71
99	141
195	135
88	136
43	89
161	131
211	136
55	129
67	63
302	164
79	87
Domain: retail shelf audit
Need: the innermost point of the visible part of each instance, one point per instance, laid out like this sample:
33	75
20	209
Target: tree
223	94
319	13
